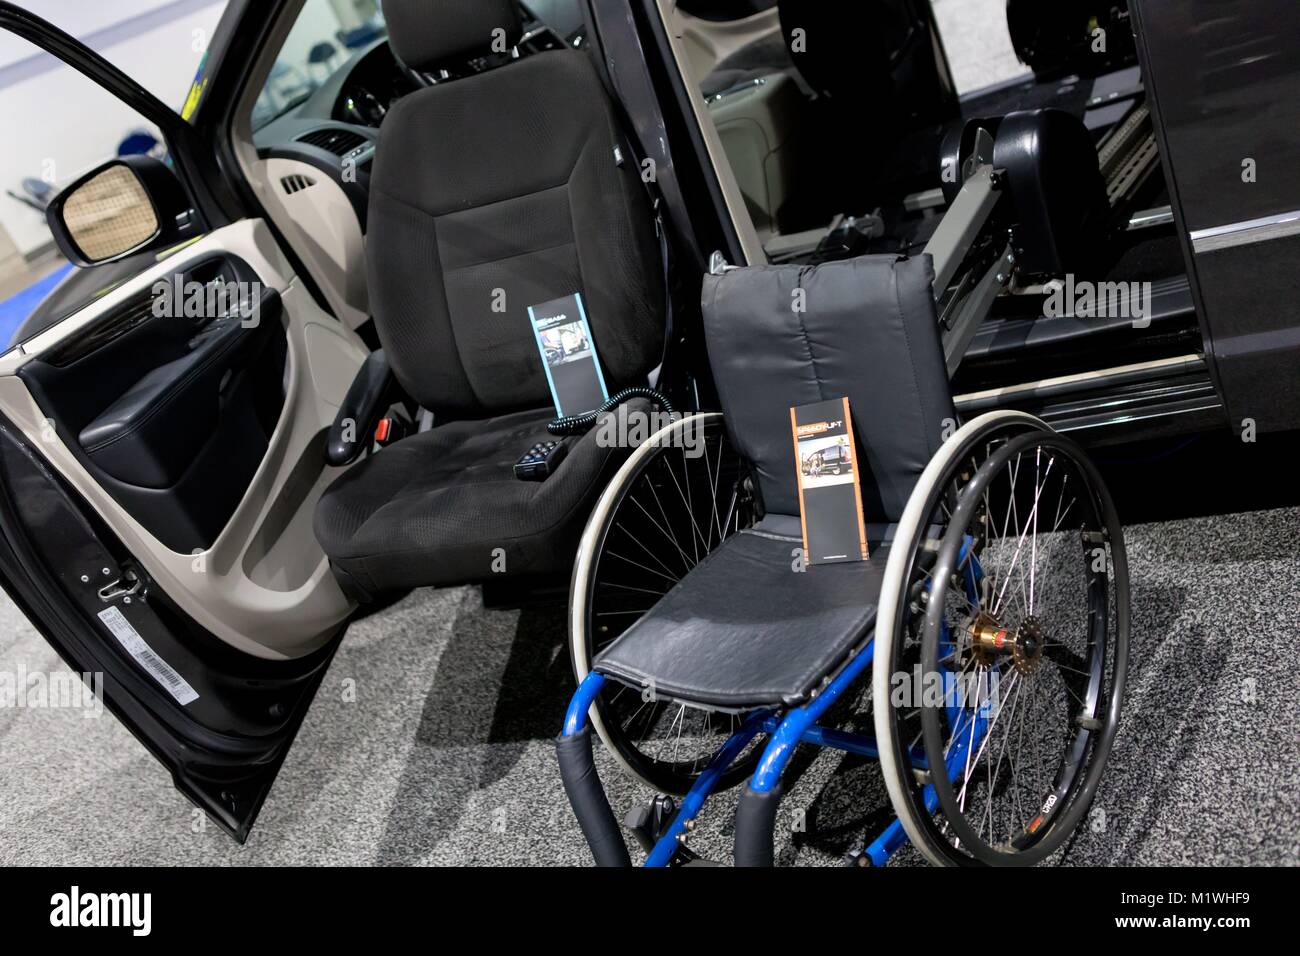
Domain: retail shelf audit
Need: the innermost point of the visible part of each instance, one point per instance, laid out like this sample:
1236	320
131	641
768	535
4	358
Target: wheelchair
979	654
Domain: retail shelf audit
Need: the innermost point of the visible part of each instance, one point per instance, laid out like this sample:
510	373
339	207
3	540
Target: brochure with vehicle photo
830	495
568	355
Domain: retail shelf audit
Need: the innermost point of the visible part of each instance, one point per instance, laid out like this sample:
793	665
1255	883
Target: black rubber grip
755	825
369	396
587	797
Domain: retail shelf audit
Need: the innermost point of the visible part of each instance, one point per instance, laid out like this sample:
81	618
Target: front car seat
489	194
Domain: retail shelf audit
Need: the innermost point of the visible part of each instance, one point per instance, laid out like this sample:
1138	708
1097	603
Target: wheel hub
1027	649
991	642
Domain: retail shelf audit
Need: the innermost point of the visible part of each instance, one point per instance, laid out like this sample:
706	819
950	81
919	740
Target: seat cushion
745	630
432	509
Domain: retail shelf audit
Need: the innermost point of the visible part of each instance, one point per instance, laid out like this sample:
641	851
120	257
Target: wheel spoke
1015	558
1040	636
615	554
668	743
667	534
642	545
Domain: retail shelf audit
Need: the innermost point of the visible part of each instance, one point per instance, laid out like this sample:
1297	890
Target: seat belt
635	133
665	251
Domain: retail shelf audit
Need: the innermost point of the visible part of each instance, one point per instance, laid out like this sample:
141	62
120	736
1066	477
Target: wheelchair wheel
1001	646
676	499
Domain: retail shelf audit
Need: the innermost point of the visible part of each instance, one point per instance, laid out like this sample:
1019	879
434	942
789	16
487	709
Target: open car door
161	452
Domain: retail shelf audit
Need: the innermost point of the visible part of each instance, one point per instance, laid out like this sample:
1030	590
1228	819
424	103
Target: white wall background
57	123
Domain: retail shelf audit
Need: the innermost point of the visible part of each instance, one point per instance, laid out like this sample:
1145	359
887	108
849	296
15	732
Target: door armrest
370	395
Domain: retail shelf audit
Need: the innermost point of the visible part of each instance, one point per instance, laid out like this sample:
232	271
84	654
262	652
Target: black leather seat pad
745	630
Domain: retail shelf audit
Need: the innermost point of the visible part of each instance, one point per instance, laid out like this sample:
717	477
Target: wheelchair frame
796	727
800	725
961	254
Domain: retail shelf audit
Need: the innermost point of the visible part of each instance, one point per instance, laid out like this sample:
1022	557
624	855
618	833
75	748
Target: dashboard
372	88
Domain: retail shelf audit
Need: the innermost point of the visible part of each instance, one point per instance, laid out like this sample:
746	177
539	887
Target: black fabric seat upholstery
490	194
379	520
743	629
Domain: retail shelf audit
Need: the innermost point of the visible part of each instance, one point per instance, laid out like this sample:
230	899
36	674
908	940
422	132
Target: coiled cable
572	424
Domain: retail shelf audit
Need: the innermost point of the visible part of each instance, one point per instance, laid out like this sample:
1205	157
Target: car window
565	17
61	124
329	33
978	44
323	39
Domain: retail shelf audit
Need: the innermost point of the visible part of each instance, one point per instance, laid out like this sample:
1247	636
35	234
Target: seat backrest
496	192
865	329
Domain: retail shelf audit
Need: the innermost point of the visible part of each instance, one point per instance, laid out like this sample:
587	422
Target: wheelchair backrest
866	329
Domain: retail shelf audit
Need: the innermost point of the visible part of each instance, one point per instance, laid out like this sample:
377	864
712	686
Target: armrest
150	436
370	395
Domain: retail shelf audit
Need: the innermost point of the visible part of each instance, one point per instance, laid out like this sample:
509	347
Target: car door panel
223	746
136	440
1222	80
246	623
261	583
159	467
173	414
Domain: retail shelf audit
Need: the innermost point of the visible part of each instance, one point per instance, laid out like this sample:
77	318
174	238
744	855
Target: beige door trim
708	43
750	244
264	586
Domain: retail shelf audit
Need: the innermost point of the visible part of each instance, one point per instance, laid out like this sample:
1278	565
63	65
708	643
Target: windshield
326	35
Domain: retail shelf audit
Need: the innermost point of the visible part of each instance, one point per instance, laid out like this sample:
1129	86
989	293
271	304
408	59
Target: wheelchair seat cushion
433	508
745	630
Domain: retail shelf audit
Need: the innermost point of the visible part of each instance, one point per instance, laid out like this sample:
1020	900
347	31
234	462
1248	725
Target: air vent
336	141
296	183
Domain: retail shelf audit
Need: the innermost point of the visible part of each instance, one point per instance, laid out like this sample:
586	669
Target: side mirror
125	206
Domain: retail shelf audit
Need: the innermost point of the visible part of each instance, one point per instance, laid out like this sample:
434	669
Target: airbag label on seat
158	669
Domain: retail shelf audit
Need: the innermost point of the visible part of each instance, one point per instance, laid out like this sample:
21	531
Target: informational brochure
568	355
830	494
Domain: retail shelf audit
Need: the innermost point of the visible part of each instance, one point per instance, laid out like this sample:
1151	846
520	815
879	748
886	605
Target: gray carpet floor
444	756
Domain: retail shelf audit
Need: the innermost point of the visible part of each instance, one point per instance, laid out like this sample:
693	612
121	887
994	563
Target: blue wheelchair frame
800	726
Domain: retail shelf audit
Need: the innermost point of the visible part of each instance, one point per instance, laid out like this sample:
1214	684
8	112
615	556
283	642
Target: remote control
540	461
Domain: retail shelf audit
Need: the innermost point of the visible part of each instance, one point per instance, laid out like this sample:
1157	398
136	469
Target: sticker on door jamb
144	655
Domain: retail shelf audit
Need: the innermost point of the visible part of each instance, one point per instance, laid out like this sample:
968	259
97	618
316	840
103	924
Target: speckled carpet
445	756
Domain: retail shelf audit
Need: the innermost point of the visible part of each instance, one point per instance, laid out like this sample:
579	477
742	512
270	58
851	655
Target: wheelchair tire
950	551
619	574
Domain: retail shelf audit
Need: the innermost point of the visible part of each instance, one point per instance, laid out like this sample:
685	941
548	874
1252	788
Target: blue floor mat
14	310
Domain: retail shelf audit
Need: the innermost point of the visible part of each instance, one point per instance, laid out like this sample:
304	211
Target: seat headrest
426	34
